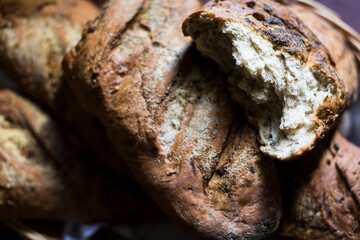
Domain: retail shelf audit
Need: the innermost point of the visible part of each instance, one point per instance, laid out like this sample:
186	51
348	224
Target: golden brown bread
34	37
45	173
278	69
170	116
33	40
322	192
336	41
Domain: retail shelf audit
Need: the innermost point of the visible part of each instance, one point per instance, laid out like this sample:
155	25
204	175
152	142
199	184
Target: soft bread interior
280	93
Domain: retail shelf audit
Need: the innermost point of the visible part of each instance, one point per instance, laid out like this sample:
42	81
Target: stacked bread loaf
204	126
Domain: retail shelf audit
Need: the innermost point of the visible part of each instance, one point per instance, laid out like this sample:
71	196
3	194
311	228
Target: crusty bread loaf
278	70
34	36
33	40
45	173
322	192
168	113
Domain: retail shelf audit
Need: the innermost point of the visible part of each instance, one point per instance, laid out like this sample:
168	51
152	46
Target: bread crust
33	40
337	45
34	37
46	174
276	23
279	24
321	192
172	120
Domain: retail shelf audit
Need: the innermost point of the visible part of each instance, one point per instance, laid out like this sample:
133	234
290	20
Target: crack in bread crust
170	117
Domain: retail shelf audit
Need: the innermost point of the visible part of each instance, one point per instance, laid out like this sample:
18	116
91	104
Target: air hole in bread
251	4
259	16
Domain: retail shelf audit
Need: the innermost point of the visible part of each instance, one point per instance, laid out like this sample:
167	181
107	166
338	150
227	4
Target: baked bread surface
171	118
45	173
34	36
337	44
321	192
279	71
33	40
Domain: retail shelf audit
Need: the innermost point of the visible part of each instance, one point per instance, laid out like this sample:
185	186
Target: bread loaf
279	71
34	36
168	113
321	192
33	40
46	174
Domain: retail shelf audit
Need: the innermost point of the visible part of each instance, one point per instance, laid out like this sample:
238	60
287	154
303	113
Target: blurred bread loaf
33	39
46	174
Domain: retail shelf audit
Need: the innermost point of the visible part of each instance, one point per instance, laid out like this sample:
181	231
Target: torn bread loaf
166	110
278	71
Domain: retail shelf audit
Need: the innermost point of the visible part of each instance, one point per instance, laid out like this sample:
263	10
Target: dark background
348	9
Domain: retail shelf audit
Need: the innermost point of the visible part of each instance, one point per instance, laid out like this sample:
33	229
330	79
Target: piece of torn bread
279	71
170	116
337	39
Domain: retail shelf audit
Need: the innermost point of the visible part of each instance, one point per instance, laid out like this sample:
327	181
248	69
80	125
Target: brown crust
43	173
55	25
168	113
321	192
280	25
337	44
274	22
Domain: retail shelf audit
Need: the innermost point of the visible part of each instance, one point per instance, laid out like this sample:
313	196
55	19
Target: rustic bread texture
34	36
278	71
336	41
321	192
43	173
169	115
33	39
